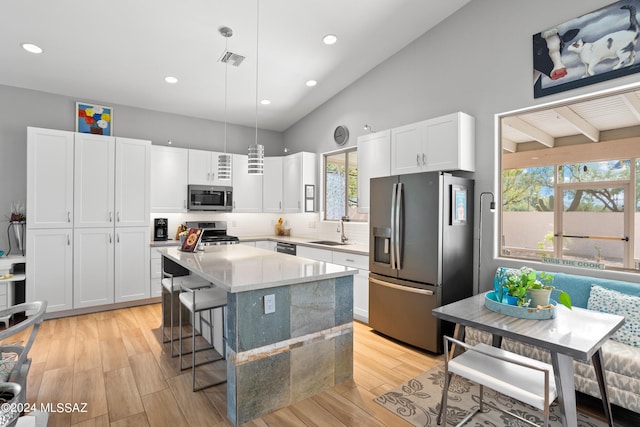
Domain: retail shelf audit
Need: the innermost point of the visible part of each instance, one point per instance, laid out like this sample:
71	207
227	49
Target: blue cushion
614	302
579	287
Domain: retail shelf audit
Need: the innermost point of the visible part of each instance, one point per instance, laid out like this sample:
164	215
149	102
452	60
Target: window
341	185
565	194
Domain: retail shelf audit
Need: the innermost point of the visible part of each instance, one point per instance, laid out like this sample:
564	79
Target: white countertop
240	268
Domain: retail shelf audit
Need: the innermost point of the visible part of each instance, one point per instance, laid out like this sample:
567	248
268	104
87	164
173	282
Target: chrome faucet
343	238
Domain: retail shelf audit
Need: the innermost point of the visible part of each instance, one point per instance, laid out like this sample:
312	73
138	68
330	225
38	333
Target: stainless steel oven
210	198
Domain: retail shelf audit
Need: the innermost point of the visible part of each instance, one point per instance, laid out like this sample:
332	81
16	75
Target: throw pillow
614	302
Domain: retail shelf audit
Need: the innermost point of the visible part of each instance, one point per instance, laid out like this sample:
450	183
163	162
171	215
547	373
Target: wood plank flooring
114	362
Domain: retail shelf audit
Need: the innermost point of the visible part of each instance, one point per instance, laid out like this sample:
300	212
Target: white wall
478	61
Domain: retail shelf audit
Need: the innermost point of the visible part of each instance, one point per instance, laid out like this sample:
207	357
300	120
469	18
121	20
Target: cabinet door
155	289
373	161
133	182
314	253
169	179
92	267
361	296
406	149
49	178
449	143
200	167
132	263
272	185
94	182
292	177
247	189
49	267
266	244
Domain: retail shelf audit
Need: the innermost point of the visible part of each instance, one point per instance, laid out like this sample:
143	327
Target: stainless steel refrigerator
420	253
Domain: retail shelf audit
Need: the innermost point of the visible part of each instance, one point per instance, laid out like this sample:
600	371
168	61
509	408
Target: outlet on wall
269	304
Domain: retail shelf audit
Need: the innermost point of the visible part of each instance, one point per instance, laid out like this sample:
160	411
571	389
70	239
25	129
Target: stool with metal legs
172	284
196	301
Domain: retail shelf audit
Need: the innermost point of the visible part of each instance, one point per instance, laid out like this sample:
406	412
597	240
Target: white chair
196	301
173	284
528	380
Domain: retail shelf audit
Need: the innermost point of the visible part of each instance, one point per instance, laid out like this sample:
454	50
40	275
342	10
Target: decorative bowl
492	303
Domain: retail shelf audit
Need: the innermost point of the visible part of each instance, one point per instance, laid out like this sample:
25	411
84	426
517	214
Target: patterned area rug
418	401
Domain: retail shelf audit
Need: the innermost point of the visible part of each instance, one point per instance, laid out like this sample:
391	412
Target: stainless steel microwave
210	198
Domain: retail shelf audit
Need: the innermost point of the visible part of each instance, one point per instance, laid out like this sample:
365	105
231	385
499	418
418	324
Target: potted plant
527	287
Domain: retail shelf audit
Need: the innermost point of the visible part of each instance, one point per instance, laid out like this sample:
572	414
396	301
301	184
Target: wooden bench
528	380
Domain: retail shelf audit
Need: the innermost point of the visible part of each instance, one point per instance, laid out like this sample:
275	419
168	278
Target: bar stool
172	284
197	301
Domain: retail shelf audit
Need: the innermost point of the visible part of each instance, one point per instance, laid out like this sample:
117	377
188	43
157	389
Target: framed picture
309	198
459	206
96	119
591	48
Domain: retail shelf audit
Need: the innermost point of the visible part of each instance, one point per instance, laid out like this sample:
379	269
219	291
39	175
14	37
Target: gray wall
20	108
478	61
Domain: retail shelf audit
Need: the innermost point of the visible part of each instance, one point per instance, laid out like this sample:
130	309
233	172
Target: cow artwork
592	48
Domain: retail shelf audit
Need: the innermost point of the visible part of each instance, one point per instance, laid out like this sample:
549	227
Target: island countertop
240	268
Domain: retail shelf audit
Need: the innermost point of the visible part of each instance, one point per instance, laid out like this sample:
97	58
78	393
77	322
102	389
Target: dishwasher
286	248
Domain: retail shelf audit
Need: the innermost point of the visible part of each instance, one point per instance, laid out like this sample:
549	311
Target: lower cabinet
266	244
155	288
49	267
131	264
360	280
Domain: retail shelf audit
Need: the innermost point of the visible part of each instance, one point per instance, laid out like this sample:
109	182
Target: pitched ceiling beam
508	145
579	123
631	100
529	130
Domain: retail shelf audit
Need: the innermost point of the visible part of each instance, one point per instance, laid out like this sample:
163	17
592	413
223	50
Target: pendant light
256	151
224	160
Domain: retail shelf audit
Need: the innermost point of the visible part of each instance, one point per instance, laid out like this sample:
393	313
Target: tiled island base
303	348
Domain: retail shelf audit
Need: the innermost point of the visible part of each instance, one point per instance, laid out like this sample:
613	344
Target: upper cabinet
374	151
49	178
133	182
247	189
444	143
203	168
299	169
169	168
272	185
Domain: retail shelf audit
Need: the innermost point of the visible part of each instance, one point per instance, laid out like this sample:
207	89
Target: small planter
539	297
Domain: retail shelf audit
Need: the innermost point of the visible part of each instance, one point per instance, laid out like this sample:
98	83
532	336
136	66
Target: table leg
563	371
598	365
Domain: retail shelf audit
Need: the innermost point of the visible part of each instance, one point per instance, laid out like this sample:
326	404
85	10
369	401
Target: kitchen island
304	347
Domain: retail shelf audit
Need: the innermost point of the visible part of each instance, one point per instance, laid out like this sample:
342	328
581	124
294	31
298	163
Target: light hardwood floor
114	362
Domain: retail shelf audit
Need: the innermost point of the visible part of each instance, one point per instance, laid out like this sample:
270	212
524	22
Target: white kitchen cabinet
155	289
444	143
203	168
374	151
247	189
314	253
93	272
169	166
266	244
360	282
94	180
253	244
132	182
49	178
131	265
272	185
299	169
49	267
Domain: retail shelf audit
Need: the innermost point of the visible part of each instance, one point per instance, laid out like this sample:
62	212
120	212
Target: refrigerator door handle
393	224
396	227
401	288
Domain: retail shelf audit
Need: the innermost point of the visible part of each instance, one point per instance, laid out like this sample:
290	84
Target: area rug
418	401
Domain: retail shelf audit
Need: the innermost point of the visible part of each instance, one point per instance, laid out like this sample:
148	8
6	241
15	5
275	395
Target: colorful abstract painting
95	119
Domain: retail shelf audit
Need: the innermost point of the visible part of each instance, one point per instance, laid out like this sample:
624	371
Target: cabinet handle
110	216
298	204
280	205
423	159
208	176
118	216
117	237
418	159
68	240
349	260
213	176
68	216
110	238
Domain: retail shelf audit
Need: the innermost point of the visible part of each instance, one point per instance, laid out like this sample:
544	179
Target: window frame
345	151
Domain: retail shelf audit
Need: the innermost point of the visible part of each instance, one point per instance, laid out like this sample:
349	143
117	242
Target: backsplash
307	225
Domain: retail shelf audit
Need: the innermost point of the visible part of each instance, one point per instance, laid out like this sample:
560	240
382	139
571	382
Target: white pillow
614	302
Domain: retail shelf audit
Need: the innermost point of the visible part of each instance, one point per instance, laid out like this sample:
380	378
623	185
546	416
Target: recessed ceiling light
311	83
329	39
30	47
171	80
265	102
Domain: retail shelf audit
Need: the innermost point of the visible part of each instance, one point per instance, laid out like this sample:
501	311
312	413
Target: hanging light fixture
224	160
256	151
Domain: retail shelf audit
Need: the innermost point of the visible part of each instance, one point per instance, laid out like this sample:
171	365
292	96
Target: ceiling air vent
231	58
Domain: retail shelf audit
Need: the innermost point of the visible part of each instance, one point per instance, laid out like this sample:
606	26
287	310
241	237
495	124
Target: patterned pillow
614	302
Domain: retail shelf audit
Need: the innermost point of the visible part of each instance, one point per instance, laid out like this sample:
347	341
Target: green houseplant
523	283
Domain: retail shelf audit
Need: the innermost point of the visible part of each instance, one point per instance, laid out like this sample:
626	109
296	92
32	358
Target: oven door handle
401	288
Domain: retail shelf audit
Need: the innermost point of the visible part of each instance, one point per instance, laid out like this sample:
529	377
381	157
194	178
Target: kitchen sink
328	243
